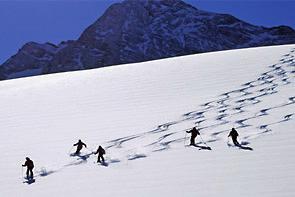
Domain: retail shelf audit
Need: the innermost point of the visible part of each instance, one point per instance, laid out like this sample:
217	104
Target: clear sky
22	21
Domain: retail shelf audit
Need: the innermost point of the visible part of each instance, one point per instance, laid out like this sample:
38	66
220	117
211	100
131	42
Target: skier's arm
189	131
75	144
84	145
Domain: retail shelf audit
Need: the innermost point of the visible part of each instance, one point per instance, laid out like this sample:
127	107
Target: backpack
30	164
102	150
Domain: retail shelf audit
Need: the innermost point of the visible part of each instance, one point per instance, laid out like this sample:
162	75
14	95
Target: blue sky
54	21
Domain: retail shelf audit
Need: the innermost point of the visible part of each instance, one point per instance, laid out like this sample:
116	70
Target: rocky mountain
142	30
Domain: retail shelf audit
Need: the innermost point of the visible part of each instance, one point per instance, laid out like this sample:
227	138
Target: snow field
139	112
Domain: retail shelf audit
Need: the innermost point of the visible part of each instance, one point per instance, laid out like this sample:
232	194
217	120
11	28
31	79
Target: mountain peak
142	30
152	2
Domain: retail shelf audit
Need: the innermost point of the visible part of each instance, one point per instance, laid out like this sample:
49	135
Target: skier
234	135
194	132
100	151
30	165
79	145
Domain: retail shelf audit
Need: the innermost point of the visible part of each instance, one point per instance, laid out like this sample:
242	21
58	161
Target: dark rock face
142	30
32	59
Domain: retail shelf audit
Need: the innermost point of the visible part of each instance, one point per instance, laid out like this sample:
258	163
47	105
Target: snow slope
140	112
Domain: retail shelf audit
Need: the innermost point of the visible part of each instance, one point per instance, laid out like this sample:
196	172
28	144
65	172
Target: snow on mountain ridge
136	31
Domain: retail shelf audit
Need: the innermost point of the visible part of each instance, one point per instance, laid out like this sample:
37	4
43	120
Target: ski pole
228	144
22	173
184	139
92	152
203	141
70	150
89	150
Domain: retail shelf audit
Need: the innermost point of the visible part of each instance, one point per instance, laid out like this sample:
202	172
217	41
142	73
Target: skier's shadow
81	157
241	146
244	147
201	147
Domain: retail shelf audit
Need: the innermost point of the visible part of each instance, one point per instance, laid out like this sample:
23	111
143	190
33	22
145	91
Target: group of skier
30	164
194	133
100	151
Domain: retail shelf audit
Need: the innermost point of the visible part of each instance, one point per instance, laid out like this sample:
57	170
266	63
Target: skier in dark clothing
100	151
194	132
234	135
79	145
30	165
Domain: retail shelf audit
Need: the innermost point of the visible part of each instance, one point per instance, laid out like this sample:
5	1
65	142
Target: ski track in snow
214	119
217	117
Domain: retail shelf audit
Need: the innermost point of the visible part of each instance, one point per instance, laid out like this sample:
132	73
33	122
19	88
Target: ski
29	181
